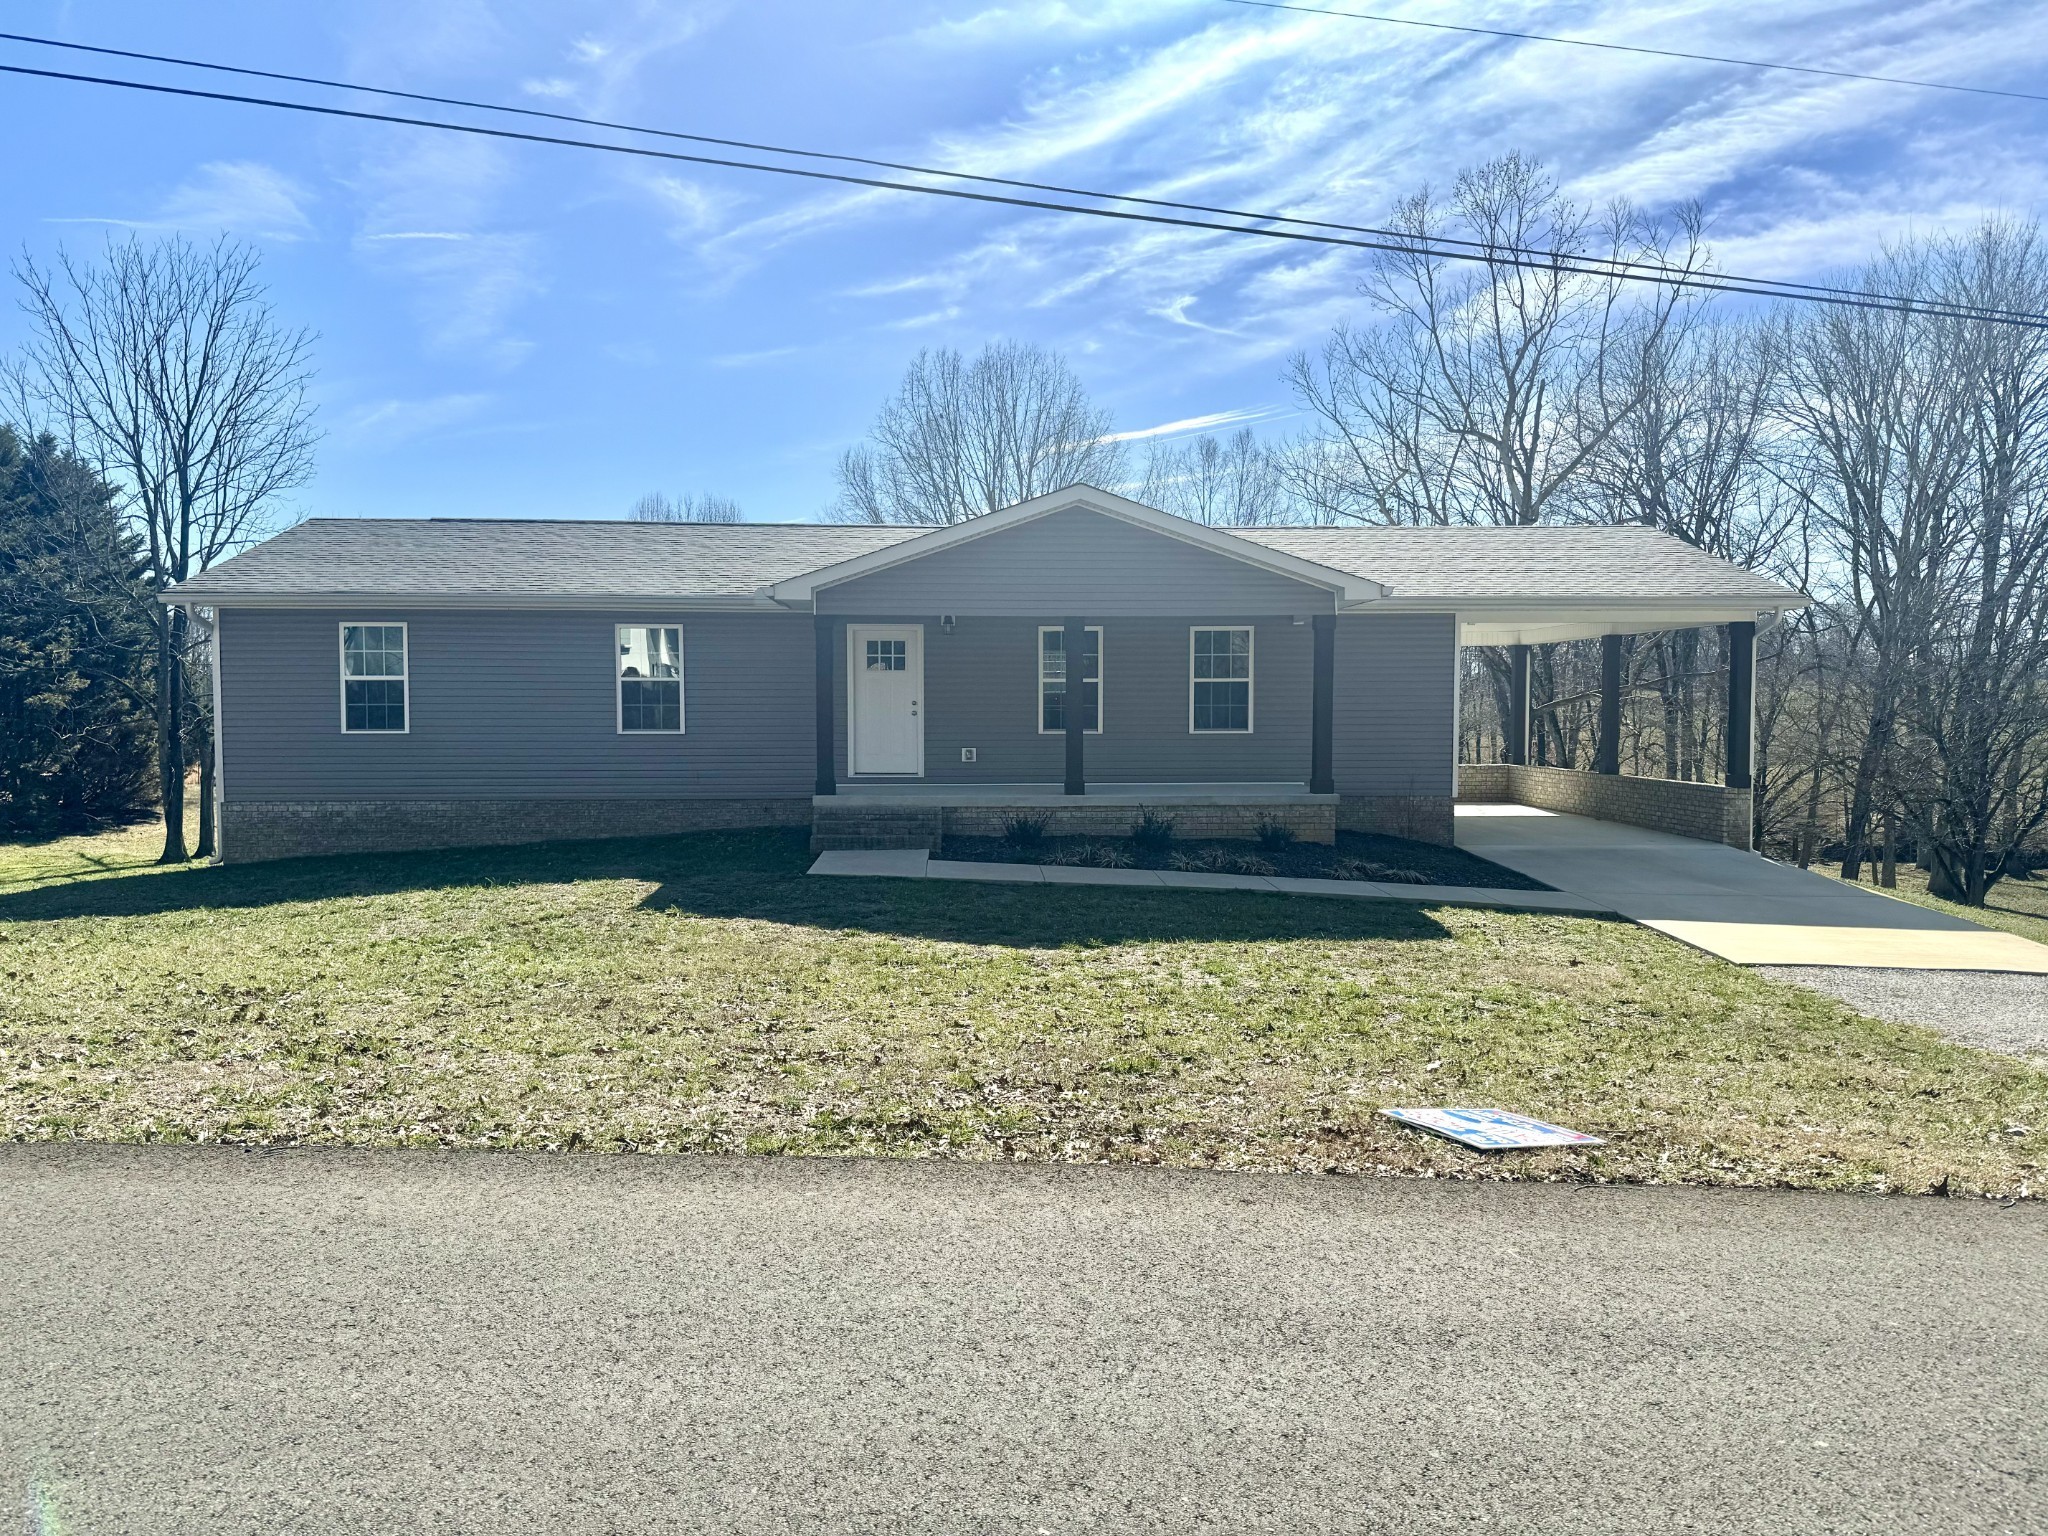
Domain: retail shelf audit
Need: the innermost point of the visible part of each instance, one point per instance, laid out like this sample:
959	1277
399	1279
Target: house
387	684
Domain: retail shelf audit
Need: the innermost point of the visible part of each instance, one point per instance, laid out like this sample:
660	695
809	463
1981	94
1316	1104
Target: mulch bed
1355	856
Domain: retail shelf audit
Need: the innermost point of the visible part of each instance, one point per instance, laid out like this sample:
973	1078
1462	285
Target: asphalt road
216	1342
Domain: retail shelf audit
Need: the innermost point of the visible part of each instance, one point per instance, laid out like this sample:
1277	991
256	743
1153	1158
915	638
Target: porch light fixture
946	622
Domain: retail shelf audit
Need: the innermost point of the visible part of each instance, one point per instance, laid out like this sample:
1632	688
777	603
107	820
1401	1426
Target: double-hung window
373	678
1220	680
650	677
1052	681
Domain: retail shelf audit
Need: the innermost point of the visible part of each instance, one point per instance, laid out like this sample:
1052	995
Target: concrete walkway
1737	905
915	864
195	1340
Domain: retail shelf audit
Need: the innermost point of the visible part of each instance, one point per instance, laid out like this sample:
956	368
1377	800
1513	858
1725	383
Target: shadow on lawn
753	875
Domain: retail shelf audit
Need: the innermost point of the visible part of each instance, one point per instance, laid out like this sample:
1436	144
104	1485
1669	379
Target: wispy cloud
432	221
390	422
1189	425
236	197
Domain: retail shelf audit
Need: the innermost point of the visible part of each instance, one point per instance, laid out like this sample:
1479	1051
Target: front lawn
702	993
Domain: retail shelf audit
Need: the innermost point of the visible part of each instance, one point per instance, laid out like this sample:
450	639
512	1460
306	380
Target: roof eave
711	602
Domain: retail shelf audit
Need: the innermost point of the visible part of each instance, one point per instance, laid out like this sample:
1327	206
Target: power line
1608	265
1700	280
1661	53
1490	250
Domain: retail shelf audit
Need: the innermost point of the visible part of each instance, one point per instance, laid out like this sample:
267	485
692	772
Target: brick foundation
1420	818
257	830
851	824
1712	813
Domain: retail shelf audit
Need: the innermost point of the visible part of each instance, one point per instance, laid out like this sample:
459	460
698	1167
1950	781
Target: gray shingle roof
486	557
1544	563
407	558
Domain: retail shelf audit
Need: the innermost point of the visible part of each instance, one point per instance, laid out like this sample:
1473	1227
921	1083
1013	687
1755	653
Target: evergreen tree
76	693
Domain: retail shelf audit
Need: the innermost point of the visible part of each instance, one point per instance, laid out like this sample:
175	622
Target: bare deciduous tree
960	439
690	507
164	367
1231	482
1490	385
1877	407
1971	768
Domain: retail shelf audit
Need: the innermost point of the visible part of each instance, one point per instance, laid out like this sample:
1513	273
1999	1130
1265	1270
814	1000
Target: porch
923	814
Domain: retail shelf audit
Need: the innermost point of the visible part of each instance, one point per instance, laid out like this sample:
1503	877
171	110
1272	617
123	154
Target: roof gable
1347	586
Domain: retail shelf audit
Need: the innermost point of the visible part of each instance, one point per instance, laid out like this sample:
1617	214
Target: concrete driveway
203	1341
1737	905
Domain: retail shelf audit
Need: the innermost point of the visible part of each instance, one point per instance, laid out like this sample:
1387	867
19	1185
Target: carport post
1518	705
1607	755
828	774
1075	644
1741	704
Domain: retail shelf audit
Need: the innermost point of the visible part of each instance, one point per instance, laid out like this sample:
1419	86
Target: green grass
2016	906
702	993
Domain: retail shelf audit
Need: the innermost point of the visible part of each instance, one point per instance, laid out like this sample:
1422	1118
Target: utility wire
1608	264
1700	280
1661	53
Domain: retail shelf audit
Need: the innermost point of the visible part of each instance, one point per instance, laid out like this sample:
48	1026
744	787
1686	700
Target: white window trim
1101	679
1251	680
682	681
341	665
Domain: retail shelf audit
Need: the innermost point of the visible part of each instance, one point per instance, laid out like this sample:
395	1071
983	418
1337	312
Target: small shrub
1024	831
1248	864
1366	869
1152	832
1201	861
1110	856
1274	836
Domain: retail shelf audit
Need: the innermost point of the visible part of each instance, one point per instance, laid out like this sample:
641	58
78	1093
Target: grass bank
702	993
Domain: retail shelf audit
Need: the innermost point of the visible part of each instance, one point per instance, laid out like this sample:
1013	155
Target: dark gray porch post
1075	644
1518	705
1322	755
1741	704
828	774
1607	755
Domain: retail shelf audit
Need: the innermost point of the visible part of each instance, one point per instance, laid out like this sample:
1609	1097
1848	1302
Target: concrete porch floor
916	792
1737	905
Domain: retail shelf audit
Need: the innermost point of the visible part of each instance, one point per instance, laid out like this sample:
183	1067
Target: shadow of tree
757	876
1044	916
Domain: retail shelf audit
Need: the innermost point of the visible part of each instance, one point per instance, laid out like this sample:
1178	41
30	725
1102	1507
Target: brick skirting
1713	813
1422	818
851	824
254	830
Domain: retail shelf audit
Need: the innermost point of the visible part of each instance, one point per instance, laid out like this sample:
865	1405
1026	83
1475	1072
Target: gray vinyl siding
981	691
1394	722
1079	562
510	705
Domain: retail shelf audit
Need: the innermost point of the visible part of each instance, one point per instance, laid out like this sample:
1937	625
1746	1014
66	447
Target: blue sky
513	330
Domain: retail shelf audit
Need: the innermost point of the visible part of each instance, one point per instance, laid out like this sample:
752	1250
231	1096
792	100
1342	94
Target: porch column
1075	645
828	773
1518	705
1741	704
1322	776
1607	754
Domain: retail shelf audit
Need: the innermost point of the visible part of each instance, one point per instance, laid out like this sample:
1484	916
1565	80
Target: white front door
885	668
